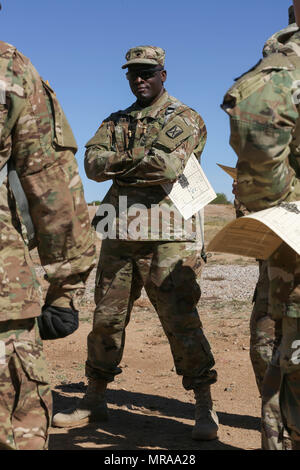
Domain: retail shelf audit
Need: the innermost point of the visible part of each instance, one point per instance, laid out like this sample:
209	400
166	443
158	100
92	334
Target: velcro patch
174	132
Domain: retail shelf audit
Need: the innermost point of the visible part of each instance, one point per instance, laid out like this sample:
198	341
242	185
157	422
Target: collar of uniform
138	112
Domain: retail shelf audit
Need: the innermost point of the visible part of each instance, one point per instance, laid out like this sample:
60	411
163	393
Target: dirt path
149	409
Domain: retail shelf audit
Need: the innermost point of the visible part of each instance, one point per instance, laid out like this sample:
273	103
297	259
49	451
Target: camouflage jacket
36	137
140	149
263	106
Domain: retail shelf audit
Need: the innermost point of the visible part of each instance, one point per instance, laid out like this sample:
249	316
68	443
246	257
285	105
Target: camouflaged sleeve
263	118
240	209
165	159
154	155
43	149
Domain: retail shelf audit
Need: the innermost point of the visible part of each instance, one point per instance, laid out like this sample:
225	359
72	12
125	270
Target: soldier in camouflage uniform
263	107
140	149
264	336
38	142
262	327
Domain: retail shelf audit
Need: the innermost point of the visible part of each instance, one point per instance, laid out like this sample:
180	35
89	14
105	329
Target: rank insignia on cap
174	132
183	181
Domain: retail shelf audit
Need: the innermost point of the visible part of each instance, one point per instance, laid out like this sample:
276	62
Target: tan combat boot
206	420
295	445
91	408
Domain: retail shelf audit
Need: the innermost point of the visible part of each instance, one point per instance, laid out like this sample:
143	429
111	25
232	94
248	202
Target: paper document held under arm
258	235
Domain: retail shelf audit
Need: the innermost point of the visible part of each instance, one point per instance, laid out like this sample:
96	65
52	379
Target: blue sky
79	48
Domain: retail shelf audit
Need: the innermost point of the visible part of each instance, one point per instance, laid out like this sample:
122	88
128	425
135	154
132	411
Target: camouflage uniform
262	327
140	149
264	114
37	139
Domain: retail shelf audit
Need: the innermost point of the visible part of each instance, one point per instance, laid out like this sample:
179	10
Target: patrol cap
292	18
145	55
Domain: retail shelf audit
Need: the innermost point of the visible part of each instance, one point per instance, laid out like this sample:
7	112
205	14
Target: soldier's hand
234	188
122	135
57	322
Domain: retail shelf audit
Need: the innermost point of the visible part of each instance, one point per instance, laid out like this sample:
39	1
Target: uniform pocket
103	283
34	402
174	134
251	85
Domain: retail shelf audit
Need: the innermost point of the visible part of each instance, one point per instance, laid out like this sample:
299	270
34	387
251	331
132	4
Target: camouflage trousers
25	396
265	337
168	271
288	356
262	327
274	435
284	277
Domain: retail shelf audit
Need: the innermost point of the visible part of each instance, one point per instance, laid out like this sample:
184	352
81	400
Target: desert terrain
149	408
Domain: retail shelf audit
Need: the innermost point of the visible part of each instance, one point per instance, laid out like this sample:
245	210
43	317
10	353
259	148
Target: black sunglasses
143	74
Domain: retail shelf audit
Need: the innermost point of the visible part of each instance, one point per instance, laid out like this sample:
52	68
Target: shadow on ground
142	422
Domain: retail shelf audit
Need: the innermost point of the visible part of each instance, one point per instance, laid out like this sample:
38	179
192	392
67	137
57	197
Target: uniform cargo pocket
32	360
174	134
34	403
63	135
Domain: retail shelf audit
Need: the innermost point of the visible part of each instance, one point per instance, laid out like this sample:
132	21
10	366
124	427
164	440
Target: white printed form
284	221
192	191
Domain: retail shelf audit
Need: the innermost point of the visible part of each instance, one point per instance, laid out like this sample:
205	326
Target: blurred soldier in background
40	189
263	107
141	148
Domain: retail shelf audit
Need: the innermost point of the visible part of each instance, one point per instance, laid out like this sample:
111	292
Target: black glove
57	322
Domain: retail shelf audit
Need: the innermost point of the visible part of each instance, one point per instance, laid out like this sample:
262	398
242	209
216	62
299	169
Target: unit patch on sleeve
174	132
